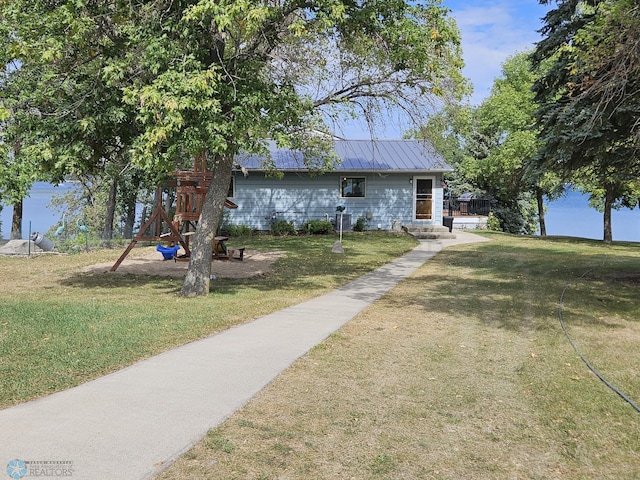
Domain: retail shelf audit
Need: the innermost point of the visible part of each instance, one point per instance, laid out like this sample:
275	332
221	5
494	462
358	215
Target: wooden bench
232	251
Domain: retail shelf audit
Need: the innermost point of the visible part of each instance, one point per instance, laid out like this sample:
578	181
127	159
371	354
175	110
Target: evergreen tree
589	112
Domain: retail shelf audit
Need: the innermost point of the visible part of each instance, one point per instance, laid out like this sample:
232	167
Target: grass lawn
463	371
60	328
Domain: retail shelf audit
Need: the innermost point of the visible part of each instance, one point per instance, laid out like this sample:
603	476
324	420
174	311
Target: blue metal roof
361	155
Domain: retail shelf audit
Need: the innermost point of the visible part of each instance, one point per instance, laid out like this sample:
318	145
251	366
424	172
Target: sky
492	31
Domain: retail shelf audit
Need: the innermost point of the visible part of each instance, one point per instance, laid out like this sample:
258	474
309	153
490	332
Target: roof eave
295	170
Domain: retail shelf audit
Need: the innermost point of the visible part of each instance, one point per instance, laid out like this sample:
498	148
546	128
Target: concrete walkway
131	424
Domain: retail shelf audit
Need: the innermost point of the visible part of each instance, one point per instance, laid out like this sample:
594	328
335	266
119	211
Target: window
232	188
352	187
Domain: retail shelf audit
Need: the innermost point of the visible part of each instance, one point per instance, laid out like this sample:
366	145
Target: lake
36	210
570	216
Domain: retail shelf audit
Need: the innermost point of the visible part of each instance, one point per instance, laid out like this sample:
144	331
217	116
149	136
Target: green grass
59	327
462	371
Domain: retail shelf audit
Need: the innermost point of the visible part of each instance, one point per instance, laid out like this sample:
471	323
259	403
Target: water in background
35	209
570	216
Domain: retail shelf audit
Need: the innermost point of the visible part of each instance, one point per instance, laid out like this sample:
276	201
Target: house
390	183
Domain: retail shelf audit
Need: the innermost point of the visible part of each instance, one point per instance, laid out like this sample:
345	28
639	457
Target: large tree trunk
130	218
107	233
196	282
608	202
16	221
543	226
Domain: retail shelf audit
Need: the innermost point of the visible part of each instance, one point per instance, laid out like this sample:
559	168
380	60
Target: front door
423	194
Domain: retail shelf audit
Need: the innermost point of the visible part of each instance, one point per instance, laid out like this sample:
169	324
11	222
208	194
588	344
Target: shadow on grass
309	263
90	281
516	284
511	282
301	276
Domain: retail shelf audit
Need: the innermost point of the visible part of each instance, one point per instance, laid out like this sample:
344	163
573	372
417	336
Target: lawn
463	371
60	327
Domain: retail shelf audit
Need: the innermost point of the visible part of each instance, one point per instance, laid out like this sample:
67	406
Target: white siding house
388	182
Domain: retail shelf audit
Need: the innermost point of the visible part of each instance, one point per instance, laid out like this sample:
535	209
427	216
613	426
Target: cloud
491	32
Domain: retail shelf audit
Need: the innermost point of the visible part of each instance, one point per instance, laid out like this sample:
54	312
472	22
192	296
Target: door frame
414	197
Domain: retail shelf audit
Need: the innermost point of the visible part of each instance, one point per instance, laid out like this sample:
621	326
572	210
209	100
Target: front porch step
429	232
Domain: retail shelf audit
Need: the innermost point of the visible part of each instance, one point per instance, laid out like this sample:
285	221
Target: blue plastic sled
168	252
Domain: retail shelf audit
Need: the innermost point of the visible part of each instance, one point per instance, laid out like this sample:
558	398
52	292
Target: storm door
423	194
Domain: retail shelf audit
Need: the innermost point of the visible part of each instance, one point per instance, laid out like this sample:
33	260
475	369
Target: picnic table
221	252
219	248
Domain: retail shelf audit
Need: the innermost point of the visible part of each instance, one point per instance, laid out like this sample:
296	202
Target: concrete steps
429	232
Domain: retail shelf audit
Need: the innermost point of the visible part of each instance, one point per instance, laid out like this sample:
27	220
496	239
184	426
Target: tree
588	96
132	190
255	82
506	118
210	76
16	175
501	144
67	120
446	130
610	55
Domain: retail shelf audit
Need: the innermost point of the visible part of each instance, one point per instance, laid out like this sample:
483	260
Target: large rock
19	247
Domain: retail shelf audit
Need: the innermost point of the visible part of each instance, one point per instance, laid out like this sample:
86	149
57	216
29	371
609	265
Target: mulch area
254	264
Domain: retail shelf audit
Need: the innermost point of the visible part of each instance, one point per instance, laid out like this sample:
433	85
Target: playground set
191	187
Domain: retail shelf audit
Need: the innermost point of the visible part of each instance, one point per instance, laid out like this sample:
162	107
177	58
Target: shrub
493	223
282	228
230	230
78	243
317	227
360	225
236	231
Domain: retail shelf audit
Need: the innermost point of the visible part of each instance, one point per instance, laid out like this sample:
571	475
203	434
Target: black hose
586	362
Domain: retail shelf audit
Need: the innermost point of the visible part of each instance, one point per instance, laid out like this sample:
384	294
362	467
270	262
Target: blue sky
492	31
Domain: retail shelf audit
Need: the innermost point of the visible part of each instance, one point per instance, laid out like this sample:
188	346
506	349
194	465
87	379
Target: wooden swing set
191	188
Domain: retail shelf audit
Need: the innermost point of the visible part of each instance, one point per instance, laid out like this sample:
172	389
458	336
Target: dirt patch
255	263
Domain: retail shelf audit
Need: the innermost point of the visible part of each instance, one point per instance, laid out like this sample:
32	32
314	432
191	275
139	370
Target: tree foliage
610	60
501	144
494	148
589	98
158	82
64	118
